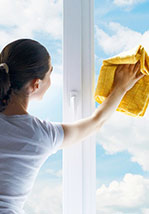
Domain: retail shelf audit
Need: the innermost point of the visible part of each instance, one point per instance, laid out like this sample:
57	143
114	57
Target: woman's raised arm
125	78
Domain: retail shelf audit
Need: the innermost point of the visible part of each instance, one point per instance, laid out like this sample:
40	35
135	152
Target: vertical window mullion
79	160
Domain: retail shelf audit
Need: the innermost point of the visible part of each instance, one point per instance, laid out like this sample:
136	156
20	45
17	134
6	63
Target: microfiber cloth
135	101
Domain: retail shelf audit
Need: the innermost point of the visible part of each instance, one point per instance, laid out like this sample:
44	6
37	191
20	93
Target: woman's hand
126	76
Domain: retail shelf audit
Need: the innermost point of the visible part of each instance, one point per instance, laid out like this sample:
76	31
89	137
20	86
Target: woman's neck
16	106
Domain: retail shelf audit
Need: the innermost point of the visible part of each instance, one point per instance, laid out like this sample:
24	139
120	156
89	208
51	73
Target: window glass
122	163
41	21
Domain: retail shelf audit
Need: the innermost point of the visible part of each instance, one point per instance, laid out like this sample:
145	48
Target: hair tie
5	66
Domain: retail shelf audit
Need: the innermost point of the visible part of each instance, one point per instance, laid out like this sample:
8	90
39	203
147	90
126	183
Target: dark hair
26	59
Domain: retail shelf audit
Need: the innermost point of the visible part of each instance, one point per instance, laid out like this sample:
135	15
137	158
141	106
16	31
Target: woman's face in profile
44	84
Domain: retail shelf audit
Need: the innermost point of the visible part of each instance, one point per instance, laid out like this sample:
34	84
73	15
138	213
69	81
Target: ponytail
5	86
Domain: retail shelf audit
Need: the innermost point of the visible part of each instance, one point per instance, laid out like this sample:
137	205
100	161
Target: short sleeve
57	135
56	132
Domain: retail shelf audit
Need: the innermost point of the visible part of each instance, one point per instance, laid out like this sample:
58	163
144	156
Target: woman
25	140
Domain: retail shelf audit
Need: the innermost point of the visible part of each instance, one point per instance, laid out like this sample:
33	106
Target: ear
35	83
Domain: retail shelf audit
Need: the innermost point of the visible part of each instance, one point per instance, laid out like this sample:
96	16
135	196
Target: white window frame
79	160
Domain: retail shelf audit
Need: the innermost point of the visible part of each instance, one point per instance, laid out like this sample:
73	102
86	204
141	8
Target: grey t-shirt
25	143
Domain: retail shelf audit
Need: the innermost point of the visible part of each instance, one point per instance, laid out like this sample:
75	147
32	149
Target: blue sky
122	144
133	16
122	164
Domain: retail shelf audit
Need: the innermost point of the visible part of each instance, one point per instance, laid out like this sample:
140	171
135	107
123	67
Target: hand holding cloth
135	101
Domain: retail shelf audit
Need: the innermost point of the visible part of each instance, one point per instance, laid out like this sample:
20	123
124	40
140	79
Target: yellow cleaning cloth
135	101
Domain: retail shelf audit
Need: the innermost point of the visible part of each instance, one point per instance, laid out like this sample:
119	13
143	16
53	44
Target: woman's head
29	63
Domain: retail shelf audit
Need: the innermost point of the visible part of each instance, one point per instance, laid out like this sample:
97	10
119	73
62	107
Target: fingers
122	66
140	75
127	66
137	67
119	67
132	67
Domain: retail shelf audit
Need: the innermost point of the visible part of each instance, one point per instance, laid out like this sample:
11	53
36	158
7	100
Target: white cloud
53	172
131	196
127	2
46	197
120	38
51	98
145	211
20	19
56	76
125	133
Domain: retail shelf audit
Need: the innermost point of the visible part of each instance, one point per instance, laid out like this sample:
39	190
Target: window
122	166
118	154
79	179
42	21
